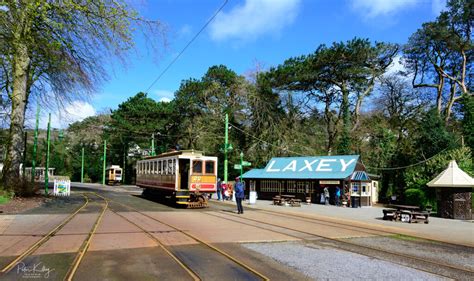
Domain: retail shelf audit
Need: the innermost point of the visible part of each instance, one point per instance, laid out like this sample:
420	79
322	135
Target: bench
295	202
420	216
390	214
277	200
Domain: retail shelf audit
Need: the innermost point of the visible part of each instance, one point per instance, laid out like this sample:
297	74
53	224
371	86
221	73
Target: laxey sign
312	164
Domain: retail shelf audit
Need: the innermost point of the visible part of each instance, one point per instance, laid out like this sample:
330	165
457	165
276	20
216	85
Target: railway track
80	253
430	266
236	261
30	250
365	229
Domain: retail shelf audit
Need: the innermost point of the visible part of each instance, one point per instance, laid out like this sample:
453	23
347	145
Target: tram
186	176
113	174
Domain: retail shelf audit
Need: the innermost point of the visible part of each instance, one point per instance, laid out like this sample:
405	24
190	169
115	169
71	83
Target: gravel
451	254
323	263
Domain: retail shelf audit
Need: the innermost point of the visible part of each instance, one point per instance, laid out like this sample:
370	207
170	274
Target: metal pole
46	175
33	161
124	164
103	165
226	144
82	166
241	166
152	144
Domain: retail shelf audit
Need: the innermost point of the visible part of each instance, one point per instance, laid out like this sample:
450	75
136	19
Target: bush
415	197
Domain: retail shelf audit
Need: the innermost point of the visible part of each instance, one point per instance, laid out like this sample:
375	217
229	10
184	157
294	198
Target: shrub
415	197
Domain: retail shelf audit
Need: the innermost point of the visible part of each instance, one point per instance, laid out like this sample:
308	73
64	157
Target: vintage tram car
113	175
186	176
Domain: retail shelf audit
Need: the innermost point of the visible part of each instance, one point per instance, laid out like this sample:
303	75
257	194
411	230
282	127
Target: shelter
454	193
306	177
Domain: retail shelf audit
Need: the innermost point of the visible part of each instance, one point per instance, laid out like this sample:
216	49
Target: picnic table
406	213
286	200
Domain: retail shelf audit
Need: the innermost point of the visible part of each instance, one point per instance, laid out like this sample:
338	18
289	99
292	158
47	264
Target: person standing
239	195
338	195
219	189
326	196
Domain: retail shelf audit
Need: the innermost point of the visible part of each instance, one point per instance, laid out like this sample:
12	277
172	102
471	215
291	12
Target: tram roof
314	167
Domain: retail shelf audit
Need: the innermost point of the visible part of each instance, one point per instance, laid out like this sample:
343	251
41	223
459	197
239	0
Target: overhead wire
187	45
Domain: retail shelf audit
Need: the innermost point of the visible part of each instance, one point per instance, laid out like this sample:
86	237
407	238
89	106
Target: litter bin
252	197
355	202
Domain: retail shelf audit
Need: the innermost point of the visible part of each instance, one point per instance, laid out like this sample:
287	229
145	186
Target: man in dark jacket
219	189
239	195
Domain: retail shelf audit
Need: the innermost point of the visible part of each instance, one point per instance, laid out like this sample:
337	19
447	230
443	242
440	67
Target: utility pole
82	166
33	161
241	165
124	164
103	165
226	145
46	174
153	144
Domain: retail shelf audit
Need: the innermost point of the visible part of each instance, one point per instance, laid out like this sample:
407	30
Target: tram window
170	167
209	167
165	167
197	167
155	167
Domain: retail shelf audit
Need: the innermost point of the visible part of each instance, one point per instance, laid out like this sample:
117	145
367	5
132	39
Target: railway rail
43	240
202	242
348	226
422	264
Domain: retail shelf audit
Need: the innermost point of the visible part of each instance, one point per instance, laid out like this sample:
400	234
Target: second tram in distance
187	176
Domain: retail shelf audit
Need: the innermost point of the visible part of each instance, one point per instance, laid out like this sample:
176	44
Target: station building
306	178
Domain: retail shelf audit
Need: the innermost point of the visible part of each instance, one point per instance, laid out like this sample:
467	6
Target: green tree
467	109
433	137
440	55
58	47
341	76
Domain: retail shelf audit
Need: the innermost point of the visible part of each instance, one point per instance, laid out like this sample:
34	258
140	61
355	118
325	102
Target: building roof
452	177
318	167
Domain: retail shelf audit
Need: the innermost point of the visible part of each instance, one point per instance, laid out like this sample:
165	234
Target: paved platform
445	230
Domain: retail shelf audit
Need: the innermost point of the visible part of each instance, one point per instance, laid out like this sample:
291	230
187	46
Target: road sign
237	166
245	163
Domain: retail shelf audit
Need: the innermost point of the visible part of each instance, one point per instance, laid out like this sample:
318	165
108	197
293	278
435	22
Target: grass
4	199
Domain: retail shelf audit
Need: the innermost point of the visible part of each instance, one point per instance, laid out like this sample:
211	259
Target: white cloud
253	19
396	66
75	111
374	8
164	95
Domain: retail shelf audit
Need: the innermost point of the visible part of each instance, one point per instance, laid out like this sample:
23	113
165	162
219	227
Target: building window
355	187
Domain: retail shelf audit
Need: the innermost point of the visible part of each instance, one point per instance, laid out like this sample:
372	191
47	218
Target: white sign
62	187
317	165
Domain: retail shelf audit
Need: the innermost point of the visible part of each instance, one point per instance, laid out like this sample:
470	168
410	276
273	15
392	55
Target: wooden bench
295	202
420	216
390	214
277	200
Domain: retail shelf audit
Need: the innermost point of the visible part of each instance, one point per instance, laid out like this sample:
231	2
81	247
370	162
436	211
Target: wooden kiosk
453	193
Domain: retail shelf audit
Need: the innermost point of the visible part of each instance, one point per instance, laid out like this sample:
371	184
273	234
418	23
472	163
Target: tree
467	121
58	47
433	136
341	76
440	55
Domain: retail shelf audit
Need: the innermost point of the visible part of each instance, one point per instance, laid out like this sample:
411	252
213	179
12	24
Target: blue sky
244	33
